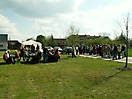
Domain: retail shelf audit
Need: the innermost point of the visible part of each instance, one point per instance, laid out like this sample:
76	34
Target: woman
57	54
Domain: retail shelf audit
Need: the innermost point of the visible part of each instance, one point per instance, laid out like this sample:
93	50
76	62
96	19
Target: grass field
70	78
130	52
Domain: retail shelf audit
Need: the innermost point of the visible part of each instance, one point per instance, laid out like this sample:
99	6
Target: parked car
57	47
67	50
49	48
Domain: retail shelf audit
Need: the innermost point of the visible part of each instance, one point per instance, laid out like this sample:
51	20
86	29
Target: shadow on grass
31	63
123	68
3	63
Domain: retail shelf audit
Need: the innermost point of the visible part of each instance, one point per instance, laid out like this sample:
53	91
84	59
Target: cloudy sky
23	19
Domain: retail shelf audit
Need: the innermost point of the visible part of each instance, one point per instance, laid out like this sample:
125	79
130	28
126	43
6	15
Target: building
14	44
61	42
3	41
82	38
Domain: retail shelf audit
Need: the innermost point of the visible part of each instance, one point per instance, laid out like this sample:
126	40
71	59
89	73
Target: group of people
106	51
8	58
50	56
32	54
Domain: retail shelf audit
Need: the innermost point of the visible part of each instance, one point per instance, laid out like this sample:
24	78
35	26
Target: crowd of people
31	54
34	54
106	51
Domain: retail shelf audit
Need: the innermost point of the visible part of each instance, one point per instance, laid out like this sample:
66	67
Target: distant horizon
57	38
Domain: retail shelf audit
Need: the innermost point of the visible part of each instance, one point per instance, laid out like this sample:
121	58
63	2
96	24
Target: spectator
119	51
77	50
37	48
33	48
16	55
45	54
115	50
22	53
6	57
57	54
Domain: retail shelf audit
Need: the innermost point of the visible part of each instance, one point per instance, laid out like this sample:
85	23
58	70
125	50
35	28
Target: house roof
14	41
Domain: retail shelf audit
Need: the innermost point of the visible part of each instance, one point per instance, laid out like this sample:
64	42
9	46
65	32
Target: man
115	50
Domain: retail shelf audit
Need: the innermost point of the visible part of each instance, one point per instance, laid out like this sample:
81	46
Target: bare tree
72	32
126	29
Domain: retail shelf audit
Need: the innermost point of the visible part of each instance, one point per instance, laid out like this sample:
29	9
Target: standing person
73	52
94	49
115	52
84	49
38	56
45	54
91	50
119	51
22	53
79	49
33	48
103	51
87	49
108	51
100	50
76	50
37	48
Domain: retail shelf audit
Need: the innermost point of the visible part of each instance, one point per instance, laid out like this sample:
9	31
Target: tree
99	40
41	39
73	38
126	30
50	41
121	39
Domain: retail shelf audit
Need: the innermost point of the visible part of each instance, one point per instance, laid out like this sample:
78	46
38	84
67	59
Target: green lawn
70	78
130	52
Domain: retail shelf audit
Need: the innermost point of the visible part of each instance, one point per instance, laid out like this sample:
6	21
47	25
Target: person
35	57
119	51
57	54
33	48
76	50
108	51
37	48
115	50
45	54
16	55
6	57
38	55
22	53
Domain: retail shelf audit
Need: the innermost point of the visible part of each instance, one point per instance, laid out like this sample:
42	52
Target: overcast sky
23	19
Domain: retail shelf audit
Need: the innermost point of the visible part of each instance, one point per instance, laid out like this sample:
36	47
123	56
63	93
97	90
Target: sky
23	19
